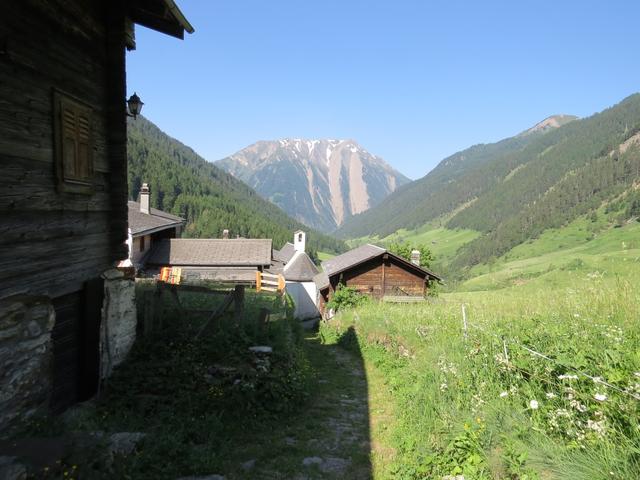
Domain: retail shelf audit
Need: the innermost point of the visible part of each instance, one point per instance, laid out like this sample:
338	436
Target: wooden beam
384	277
154	22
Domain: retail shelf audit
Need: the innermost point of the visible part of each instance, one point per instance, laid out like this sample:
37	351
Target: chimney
299	241
144	198
415	257
225	234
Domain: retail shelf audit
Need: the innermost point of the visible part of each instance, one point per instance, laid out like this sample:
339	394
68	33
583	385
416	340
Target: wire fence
512	342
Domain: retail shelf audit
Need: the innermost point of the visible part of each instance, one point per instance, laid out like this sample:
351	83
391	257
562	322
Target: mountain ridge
514	189
210	199
320	182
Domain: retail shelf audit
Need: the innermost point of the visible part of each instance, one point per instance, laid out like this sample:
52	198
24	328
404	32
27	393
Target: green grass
561	257
443	243
322	256
465	408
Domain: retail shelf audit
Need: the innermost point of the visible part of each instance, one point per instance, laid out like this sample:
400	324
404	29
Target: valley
319	240
522	363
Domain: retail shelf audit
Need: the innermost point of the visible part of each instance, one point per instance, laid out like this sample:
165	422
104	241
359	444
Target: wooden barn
227	260
63	190
377	272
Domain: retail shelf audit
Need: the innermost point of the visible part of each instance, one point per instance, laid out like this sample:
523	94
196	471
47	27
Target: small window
299	237
73	144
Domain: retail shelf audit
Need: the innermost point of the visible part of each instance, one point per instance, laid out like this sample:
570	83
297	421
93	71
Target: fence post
464	321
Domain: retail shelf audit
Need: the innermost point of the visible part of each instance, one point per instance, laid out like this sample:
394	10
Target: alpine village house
147	227
377	272
63	194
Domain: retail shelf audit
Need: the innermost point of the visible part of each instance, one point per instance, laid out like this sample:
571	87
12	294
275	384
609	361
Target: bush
346	297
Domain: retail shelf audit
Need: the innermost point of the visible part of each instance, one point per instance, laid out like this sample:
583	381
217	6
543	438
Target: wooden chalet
63	188
376	272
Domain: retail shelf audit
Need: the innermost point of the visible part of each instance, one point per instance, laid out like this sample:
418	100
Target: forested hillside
515	189
457	179
210	199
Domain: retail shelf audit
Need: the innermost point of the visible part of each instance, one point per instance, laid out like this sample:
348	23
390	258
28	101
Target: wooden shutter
74	145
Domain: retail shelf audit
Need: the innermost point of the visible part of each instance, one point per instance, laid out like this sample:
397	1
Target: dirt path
342	432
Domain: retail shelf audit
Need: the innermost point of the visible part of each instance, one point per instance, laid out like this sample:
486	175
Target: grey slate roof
300	268
352	257
361	254
285	253
236	252
155	221
321	280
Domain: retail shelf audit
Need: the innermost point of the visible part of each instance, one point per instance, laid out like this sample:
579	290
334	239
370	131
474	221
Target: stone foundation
25	356
26	347
119	321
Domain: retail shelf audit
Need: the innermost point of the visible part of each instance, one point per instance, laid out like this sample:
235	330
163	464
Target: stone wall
119	320
25	356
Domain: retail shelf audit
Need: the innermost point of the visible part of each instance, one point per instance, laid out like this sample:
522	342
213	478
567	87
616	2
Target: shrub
346	297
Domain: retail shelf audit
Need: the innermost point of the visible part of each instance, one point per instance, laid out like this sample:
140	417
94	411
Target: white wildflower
597	426
601	397
578	406
533	405
550	395
637	374
504	394
567	377
443	387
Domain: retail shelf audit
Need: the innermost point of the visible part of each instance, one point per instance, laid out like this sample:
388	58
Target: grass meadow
545	381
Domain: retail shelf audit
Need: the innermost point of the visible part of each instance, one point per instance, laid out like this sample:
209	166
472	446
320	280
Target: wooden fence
269	282
154	299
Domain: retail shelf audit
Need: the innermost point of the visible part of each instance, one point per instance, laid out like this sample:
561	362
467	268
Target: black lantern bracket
134	104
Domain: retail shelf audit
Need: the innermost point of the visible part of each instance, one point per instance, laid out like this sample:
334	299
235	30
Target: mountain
550	123
318	182
210	199
511	191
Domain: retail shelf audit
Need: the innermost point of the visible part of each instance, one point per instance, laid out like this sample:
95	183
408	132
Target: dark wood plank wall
52	242
399	280
371	278
366	277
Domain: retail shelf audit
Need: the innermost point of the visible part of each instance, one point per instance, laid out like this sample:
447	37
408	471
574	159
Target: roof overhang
161	15
149	231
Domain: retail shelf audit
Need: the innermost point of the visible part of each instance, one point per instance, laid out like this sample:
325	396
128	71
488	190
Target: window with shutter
73	144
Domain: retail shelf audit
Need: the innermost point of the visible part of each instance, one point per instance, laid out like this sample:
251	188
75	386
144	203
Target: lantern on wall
135	105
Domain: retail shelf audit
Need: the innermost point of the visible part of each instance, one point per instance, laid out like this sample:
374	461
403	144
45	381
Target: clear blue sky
411	81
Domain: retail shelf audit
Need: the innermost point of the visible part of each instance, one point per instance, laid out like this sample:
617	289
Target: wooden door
76	337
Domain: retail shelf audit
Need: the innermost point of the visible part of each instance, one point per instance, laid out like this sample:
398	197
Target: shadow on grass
214	406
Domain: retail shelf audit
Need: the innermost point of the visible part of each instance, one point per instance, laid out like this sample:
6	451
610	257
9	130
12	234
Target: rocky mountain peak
320	182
